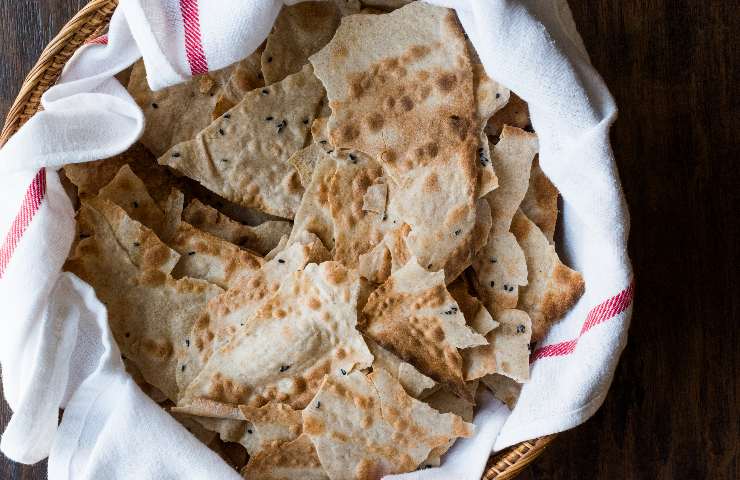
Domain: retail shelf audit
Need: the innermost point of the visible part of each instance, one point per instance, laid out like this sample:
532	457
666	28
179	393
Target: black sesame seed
344	372
221	131
136	244
135	204
429	266
284	368
127	334
280	260
225	160
191	253
249	431
265	91
492	283
187	342
521	329
506	288
493	259
154	105
498	95
227	115
448	312
323	142
353	158
175	154
269	59
330	151
318	404
182	369
305	121
270	118
458	231
385	217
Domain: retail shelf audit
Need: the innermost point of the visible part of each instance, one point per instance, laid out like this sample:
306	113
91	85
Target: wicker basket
88	23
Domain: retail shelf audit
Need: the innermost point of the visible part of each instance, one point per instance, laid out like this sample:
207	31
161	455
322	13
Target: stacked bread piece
322	252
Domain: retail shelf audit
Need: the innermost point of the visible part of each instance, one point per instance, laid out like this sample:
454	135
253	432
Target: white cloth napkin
56	349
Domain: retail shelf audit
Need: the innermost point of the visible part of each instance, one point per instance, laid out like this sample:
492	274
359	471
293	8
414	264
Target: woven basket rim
90	21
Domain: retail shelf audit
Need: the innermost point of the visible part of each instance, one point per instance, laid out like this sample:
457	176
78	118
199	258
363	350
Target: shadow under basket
87	24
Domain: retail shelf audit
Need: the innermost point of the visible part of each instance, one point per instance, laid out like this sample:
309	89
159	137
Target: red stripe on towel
193	40
31	204
600	313
101	40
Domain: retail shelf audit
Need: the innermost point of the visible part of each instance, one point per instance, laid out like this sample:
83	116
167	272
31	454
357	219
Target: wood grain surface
673	411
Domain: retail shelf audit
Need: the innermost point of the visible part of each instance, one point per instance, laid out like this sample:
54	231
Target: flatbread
261	238
314	308
177	113
229	312
210	258
243	155
367	426
270	425
149	313
299	31
296	459
500	267
514	114
313	214
245	76
476	315
503	388
128	192
540	204
414	316
375	198
490	97
444	401
552	288
400	100
413	381
507	352
386	4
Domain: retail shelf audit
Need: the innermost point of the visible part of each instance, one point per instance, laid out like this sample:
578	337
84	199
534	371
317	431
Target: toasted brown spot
406	103
446	81
375	122
314	303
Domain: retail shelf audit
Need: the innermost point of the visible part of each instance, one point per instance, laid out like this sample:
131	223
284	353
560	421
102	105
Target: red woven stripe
599	314
29	207
193	41
101	40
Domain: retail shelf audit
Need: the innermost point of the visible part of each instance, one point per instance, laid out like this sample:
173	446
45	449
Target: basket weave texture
90	22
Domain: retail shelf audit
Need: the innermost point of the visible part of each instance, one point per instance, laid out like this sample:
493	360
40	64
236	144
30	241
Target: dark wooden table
674	408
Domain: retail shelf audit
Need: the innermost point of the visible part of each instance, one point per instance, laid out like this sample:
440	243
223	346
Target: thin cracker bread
413	381
504	388
514	114
367	426
270	425
401	100
150	313
210	258
260	238
540	204
414	316
230	311
243	155
314	308
295	459
299	31
552	288
500	268
177	113
507	352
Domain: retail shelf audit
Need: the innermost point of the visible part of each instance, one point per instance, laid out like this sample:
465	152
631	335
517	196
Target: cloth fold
56	350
